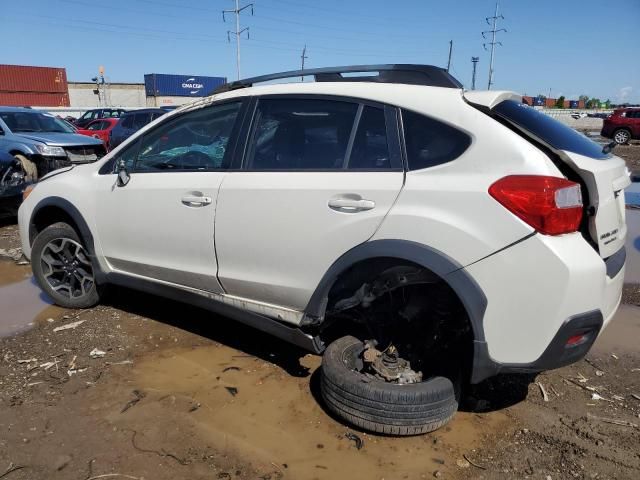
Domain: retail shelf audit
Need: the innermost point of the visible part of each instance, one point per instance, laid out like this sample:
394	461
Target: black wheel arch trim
84	230
467	289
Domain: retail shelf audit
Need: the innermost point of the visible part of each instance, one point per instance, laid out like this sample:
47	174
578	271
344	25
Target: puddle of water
12	273
275	417
21	300
622	333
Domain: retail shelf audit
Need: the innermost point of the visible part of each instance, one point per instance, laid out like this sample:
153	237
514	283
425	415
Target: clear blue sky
569	46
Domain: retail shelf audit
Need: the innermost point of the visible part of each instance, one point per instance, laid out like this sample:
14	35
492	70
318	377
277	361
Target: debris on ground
69	326
545	397
138	396
355	438
14	254
232	390
96	353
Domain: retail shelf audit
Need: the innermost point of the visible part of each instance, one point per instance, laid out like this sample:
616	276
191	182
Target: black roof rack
387	73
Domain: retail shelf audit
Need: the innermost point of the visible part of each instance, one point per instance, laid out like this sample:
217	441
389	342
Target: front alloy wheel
63	267
66	268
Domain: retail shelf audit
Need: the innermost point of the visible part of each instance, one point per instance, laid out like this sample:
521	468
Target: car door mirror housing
123	174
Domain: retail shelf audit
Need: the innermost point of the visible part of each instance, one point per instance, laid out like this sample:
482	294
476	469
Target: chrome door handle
351	205
196	201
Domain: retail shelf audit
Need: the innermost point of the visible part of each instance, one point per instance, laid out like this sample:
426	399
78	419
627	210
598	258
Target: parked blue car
131	122
42	142
12	183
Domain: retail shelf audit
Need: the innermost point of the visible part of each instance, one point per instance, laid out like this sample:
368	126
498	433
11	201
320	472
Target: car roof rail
412	74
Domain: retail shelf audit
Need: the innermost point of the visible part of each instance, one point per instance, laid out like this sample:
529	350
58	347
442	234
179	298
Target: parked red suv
622	125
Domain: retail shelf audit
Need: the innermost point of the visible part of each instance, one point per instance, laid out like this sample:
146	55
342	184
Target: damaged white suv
430	236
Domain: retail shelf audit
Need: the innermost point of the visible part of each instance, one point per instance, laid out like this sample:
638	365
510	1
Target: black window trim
393	137
109	167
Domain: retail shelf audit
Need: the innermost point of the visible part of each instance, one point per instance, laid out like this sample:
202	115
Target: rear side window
547	130
430	142
297	134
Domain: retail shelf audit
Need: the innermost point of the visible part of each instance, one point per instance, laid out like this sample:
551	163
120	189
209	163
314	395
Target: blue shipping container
161	85
538	102
574	104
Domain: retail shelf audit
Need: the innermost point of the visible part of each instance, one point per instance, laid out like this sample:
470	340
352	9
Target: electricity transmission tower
493	23
474	60
238	32
302	58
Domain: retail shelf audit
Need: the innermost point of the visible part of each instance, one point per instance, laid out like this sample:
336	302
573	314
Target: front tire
379	406
29	168
63	268
621	136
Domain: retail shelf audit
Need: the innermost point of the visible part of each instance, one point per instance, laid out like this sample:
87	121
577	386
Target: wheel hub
389	366
67	268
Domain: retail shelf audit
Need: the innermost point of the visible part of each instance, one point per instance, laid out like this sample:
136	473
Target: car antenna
608	148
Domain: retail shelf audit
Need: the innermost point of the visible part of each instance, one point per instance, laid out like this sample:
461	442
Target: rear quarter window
430	142
547	130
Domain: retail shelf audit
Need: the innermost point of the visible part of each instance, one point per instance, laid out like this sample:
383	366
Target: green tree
593	103
560	102
583	98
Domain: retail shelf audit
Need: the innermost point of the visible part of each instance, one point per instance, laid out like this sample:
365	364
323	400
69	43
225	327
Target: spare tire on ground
379	406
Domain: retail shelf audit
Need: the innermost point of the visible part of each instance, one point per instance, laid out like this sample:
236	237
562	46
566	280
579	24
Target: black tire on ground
28	168
57	233
379	406
621	136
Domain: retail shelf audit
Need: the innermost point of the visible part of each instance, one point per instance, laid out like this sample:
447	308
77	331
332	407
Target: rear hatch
605	176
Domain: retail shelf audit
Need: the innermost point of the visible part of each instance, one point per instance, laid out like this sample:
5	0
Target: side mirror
123	174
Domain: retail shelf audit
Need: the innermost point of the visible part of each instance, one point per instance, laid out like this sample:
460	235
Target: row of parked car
34	143
114	125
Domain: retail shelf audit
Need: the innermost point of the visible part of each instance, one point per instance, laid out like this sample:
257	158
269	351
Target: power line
474	60
238	32
493	42
302	58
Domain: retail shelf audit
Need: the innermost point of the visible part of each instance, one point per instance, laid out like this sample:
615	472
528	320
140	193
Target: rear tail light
551	205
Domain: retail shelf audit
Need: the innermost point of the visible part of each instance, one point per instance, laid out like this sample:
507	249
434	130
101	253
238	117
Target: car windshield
548	130
34	122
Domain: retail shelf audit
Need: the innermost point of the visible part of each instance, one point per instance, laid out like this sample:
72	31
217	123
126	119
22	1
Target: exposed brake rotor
388	365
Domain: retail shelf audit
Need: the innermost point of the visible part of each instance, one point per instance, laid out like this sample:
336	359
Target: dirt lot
146	388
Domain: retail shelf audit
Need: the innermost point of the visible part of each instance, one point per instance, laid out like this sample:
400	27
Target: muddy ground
173	392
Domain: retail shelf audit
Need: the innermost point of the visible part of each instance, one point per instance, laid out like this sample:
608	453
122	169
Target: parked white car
430	236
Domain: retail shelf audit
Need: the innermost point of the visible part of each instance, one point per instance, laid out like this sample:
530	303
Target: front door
160	225
319	176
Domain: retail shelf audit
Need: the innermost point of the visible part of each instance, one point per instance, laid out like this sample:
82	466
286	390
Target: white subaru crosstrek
430	236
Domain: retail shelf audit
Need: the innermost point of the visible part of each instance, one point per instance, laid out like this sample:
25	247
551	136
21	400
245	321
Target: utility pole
450	50
493	43
238	32
303	57
474	60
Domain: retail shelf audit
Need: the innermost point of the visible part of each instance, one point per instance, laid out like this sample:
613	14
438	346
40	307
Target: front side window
90	115
430	142
194	141
301	134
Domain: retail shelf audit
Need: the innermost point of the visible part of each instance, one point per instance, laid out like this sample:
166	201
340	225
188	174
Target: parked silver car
42	142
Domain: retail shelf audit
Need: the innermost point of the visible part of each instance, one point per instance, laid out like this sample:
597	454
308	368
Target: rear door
319	175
